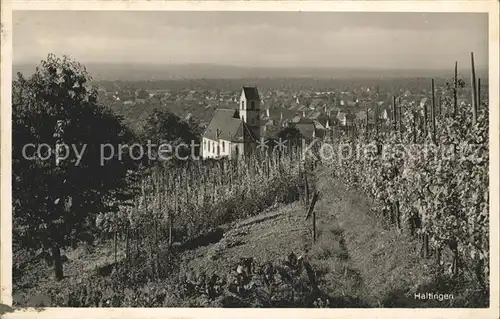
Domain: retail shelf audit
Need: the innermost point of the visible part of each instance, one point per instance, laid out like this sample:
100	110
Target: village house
345	119
306	128
234	132
324	121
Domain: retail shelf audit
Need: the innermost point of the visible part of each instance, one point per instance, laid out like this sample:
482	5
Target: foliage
270	284
290	133
55	200
431	185
163	127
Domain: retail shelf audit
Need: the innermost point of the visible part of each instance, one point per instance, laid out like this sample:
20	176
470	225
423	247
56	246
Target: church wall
209	148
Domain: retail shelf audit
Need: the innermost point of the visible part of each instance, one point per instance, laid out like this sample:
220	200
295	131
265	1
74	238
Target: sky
277	39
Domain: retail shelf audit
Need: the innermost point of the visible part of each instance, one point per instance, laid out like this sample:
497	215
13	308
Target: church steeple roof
251	93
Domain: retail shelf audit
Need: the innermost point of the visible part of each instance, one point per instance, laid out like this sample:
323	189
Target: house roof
306	129
251	93
318	125
226	124
344	115
323	119
314	115
305	121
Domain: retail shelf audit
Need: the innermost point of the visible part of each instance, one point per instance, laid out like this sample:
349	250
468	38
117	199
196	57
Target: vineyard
180	208
184	206
427	172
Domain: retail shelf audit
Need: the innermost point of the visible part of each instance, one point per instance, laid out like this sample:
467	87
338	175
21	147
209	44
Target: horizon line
144	63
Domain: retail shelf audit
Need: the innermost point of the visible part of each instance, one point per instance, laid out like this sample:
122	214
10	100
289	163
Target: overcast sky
279	39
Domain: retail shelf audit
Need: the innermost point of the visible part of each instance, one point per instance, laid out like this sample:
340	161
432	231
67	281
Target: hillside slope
356	261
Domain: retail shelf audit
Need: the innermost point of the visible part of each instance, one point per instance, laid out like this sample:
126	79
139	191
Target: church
234	132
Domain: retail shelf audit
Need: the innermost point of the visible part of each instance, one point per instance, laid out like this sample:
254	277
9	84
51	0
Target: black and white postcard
172	155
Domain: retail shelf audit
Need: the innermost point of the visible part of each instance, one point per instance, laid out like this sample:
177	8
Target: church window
252	105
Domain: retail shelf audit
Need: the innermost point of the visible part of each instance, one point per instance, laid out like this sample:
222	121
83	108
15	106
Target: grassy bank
387	267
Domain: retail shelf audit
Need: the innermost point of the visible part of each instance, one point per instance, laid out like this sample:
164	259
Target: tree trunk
58	267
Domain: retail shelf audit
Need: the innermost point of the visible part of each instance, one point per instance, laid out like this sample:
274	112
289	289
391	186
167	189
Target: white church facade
234	132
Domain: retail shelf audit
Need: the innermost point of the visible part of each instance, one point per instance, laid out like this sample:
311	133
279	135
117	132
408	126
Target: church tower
249	109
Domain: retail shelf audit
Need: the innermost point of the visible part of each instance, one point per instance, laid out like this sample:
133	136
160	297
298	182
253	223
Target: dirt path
385	266
273	235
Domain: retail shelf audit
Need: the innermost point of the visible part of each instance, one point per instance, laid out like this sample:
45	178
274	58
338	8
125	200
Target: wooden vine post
433	114
310	211
172	212
394	113
115	240
474	89
306	187
455	88
426	245
314	225
425	120
478	92
433	138
399	112
438	105
414	127
366	122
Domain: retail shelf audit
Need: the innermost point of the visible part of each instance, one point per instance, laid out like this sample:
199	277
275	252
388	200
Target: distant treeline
151	72
269	84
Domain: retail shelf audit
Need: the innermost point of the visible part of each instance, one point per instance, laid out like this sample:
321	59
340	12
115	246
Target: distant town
336	106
